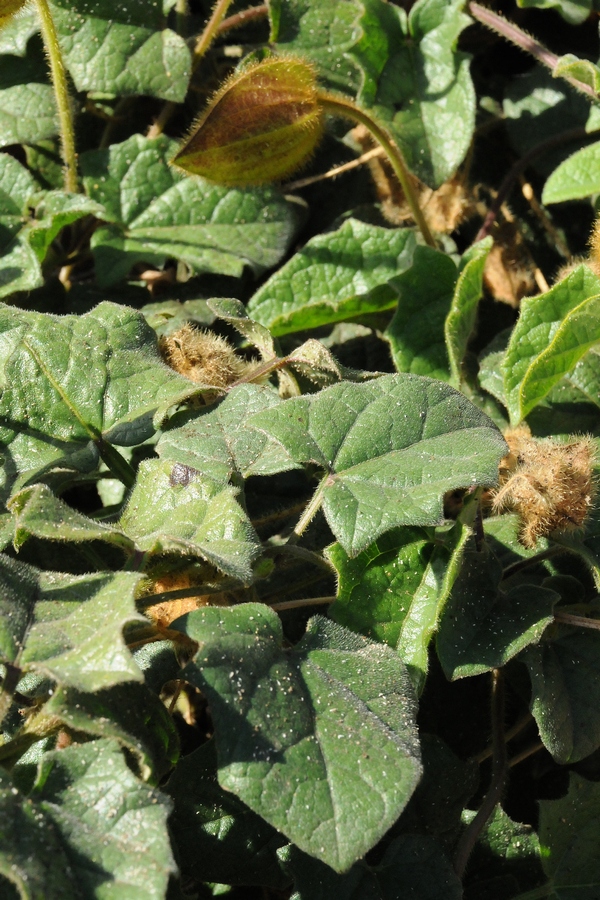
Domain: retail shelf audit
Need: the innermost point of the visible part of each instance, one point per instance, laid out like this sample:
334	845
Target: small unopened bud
260	127
8	8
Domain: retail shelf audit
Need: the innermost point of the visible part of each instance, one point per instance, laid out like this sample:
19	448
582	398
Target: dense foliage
300	569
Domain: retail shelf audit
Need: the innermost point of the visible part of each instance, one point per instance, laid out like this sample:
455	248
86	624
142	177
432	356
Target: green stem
521	39
298	604
472	832
200	590
119	467
339	106
61	93
520	564
208	35
314	505
210	30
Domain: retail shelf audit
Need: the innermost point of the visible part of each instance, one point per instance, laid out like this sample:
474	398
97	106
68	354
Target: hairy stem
117	464
211	29
519	726
471	834
312	508
579	621
240	18
339	106
61	93
297	604
198	590
515	567
527	43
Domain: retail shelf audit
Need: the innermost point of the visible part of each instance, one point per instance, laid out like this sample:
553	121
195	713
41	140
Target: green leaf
460	320
15	34
89	829
190	516
348	42
569	835
553	332
413	866
566	693
416	332
508	853
571	66
32	857
392	592
217	837
537	109
376	588
156	212
27	104
130	714
122	49
483	626
573	11
25	241
426	95
448	783
38	512
391	448
575	178
220	442
49	413
585	377
336	276
321	741
490	374
57	210
234	312
68	627
19	265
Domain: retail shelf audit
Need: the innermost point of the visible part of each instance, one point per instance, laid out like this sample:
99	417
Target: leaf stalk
499	767
59	81
339	106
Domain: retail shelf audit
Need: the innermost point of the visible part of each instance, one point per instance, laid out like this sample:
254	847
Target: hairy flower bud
8	8
261	126
549	485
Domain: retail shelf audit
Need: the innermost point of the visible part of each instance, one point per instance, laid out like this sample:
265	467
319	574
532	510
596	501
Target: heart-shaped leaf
391	448
320	742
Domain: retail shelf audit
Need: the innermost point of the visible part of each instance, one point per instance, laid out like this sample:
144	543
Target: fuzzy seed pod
8	8
549	485
203	357
262	125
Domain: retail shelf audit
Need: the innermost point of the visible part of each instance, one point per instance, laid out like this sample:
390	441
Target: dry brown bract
203	357
548	484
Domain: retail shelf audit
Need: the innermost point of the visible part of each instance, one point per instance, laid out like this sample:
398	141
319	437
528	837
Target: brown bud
260	127
203	357
8	8
548	484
